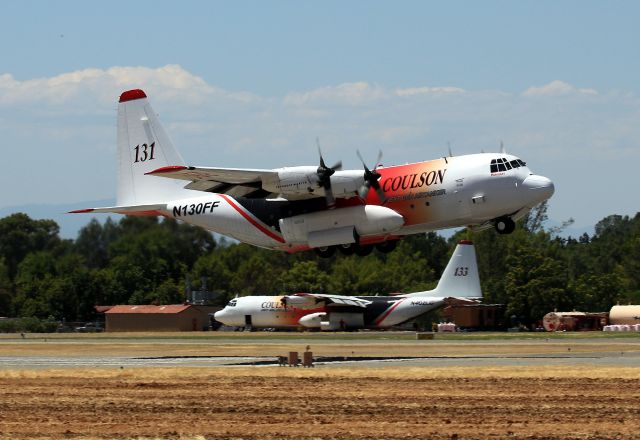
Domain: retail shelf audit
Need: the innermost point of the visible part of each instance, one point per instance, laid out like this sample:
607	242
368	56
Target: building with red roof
150	318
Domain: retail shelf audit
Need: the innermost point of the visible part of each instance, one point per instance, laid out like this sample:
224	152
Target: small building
149	318
473	316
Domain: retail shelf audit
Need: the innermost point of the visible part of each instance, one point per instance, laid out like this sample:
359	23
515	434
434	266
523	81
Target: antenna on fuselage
502	149
449	151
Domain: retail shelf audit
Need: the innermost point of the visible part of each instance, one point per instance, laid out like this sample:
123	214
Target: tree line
144	260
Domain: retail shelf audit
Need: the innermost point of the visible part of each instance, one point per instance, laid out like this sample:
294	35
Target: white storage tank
624	315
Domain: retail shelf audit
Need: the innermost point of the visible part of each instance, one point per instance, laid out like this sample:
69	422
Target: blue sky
275	47
252	83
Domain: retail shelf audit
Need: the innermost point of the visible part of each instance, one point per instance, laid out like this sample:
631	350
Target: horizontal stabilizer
137	210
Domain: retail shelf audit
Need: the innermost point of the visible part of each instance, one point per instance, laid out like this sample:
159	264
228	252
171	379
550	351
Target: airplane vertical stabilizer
460	278
144	146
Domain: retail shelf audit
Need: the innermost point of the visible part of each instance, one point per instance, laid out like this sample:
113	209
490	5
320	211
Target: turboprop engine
313	320
332	321
340	226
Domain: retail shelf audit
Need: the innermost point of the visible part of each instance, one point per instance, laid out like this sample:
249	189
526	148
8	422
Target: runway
46	362
356	351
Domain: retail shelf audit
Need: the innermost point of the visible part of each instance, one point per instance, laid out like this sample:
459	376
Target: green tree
598	293
535	284
255	275
305	276
94	240
169	292
53	286
6	289
213	267
20	235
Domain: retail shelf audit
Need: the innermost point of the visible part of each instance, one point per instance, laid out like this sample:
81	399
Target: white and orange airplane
316	207
459	280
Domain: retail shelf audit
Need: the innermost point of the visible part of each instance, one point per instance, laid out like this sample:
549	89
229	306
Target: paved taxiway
45	362
364	350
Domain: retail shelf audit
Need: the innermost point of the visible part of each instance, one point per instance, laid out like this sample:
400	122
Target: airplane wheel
325	252
387	246
348	249
363	251
505	225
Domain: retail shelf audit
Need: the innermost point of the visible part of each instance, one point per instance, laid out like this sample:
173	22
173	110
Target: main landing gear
504	225
353	248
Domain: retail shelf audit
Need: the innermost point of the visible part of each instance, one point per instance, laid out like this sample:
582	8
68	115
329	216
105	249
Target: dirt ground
336	403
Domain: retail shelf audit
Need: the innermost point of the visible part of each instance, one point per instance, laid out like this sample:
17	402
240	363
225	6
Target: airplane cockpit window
502	164
232	303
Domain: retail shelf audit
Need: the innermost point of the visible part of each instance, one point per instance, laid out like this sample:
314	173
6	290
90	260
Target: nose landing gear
504	225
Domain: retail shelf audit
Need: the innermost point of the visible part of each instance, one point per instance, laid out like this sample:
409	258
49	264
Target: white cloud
69	121
557	88
170	82
428	91
346	93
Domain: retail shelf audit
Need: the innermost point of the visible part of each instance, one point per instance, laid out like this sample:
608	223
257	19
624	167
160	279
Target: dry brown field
386	402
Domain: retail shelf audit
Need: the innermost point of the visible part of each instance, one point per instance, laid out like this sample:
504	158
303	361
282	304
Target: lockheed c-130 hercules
316	207
460	280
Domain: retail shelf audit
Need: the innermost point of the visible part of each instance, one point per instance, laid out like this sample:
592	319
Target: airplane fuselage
273	312
425	196
460	279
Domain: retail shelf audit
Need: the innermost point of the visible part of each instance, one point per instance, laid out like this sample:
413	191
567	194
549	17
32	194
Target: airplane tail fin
460	278
144	146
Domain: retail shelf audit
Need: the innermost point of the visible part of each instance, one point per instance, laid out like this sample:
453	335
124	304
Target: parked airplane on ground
339	312
323	208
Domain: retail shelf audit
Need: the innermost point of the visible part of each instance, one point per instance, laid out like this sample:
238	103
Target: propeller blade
381	196
324	177
363	191
371	179
362	160
328	195
378	160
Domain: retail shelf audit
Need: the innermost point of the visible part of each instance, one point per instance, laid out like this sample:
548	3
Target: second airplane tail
460	278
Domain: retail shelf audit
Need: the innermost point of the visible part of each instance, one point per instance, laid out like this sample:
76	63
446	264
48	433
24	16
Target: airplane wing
343	300
232	181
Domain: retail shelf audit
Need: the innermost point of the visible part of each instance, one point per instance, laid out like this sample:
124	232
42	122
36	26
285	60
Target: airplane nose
539	188
219	315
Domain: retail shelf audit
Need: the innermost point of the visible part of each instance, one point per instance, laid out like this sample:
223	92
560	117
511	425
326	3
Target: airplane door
462	199
247	321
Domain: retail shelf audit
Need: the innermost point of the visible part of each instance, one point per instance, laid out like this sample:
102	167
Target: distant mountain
70	224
